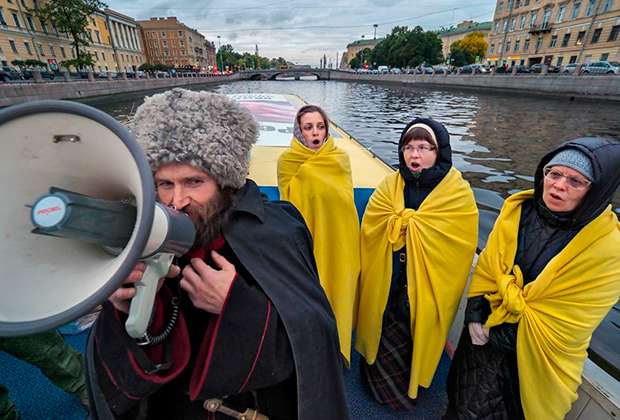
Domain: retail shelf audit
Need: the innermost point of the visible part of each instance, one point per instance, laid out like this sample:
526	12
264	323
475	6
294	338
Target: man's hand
123	295
206	286
478	333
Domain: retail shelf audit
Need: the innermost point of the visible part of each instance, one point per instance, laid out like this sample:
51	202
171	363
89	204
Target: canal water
497	138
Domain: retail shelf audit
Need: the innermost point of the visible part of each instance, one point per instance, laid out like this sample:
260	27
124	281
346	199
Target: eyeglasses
572	181
423	148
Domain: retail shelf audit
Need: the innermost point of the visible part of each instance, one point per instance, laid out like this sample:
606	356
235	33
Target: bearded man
242	317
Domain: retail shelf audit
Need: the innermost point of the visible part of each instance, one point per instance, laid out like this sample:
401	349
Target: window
539	42
27	46
165	43
103	56
596	35
43	26
54	28
561	13
513	24
96	55
182	43
517	44
576	8
607	5
40	47
30	23
62	52
532	19
566	39
613	35
500	6
526	3
16	19
572	59
505	26
491	48
590	9
52	51
580	36
507	46
546	16
605	57
522	21
2	21
496	26
559	62
181	33
98	36
13	47
163	34
554	41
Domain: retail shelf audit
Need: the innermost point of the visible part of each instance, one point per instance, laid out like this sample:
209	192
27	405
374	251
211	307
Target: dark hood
604	153
431	176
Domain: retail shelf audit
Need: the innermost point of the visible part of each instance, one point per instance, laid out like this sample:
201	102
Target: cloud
245	23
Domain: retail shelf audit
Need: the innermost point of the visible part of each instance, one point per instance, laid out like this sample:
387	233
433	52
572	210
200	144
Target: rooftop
467	27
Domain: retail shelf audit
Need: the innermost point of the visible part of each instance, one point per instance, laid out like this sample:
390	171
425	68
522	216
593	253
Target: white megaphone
81	180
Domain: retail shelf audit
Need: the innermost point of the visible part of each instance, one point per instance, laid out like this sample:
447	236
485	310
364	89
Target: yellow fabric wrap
558	311
441	238
319	184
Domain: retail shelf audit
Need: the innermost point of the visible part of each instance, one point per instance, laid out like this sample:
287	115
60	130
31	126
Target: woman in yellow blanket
419	235
315	175
549	274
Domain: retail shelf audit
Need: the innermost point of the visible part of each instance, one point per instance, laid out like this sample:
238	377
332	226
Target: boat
599	395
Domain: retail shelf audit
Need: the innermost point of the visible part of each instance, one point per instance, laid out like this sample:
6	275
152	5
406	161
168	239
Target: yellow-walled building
114	38
24	37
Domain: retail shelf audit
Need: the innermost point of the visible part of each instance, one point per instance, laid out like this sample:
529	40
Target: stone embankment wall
14	93
597	87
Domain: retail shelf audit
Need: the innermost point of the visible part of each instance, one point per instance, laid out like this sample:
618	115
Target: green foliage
71	17
365	55
227	56
82	62
406	48
466	50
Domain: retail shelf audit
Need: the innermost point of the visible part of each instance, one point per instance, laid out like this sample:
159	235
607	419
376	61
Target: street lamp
375	26
219	50
362	63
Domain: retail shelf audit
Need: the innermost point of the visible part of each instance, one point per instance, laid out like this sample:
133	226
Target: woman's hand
478	333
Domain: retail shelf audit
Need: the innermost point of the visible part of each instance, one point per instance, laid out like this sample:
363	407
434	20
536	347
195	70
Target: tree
71	17
408	48
467	49
362	56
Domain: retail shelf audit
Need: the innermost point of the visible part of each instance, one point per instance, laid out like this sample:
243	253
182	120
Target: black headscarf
418	186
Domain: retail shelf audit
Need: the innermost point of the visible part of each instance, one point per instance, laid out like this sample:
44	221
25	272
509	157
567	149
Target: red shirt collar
216	244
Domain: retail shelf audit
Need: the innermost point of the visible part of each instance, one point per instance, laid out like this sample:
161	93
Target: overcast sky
302	31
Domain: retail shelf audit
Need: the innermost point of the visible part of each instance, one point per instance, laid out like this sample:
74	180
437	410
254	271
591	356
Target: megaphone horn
94	168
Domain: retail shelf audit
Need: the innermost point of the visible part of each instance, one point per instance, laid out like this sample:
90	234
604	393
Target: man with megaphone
242	324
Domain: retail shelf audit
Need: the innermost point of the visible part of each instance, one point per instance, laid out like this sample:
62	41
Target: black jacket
274	344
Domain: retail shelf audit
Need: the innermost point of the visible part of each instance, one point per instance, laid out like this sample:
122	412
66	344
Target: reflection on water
497	139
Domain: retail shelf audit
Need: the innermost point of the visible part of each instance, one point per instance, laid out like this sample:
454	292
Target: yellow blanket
319	184
441	238
558	311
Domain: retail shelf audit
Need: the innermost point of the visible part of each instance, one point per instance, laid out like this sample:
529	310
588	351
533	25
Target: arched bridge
321	74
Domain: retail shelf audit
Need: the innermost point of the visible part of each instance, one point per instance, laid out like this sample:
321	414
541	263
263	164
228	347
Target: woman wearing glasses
419	235
549	274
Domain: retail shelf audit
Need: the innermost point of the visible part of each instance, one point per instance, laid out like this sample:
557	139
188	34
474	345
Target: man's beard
210	218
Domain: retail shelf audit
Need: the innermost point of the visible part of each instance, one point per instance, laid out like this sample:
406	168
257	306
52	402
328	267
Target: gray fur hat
207	130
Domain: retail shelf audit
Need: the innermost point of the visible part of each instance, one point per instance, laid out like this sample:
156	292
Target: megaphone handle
141	305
